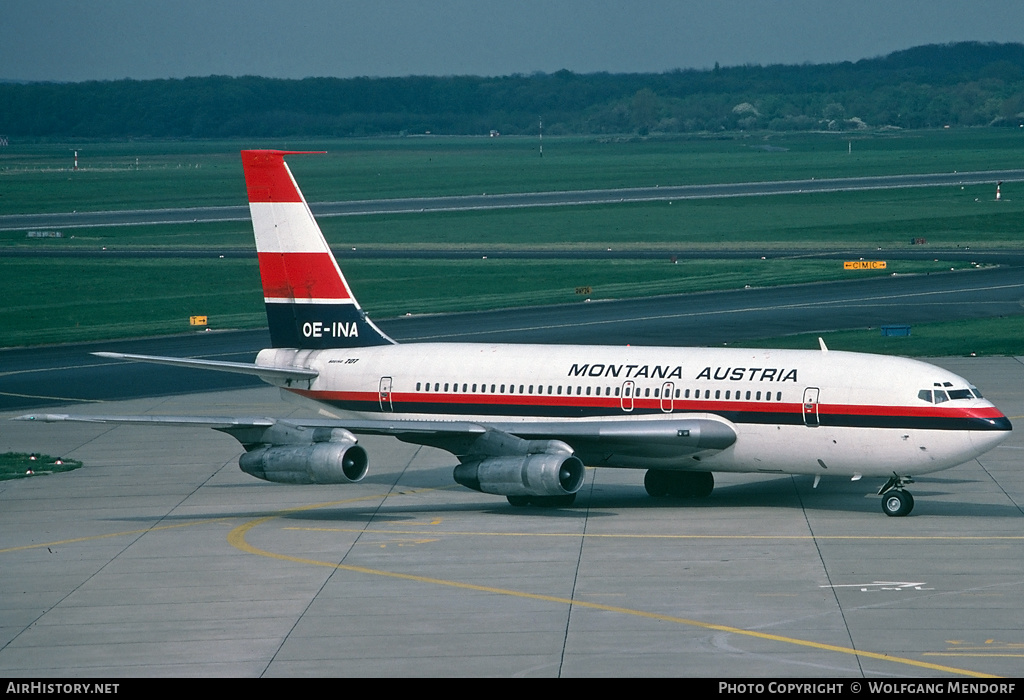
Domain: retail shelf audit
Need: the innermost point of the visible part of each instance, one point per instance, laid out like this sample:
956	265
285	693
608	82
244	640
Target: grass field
145	174
73	299
995	336
946	217
19	465
66	299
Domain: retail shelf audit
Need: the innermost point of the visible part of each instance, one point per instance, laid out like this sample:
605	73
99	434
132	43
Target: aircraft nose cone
984	440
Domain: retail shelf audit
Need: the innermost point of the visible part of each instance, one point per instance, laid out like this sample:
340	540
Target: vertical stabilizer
309	303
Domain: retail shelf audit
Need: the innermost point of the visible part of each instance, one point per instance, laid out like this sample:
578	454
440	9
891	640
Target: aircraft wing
198	421
519	460
254	430
675	434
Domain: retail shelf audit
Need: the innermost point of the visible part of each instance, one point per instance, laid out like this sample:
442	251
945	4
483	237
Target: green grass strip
20	465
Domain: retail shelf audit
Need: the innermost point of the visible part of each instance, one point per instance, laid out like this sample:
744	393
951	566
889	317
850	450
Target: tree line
962	84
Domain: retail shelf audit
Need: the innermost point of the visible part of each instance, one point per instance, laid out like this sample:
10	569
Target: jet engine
320	463
523	475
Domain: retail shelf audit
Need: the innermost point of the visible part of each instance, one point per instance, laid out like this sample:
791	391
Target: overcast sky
74	40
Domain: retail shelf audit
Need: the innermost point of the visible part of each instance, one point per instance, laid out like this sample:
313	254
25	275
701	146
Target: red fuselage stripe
678	405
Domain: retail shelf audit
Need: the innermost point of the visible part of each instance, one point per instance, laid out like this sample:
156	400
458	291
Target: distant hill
963	84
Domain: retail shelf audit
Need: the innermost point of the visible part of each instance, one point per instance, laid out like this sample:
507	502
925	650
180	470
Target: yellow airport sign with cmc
864	265
197	320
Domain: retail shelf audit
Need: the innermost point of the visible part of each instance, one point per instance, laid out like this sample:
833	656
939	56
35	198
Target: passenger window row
576	390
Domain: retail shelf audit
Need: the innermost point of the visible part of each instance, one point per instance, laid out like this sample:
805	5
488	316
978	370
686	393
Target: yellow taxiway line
237	538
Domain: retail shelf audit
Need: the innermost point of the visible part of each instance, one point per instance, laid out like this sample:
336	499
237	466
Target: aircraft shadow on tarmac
784	492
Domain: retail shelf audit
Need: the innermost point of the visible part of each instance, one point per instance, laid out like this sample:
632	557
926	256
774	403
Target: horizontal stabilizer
217	365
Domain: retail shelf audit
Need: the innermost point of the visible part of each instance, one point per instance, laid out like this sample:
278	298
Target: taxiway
161	558
69	220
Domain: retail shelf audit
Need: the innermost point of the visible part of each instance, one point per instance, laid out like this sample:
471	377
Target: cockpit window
940	396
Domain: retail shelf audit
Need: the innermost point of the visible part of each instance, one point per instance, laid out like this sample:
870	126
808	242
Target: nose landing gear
895	501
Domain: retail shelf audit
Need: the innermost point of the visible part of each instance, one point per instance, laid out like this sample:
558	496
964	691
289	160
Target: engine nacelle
523	475
320	463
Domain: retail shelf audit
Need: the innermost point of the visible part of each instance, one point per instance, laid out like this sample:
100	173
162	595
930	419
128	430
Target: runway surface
67	220
160	558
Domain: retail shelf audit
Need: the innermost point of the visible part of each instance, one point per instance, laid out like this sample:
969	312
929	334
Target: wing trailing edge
216	422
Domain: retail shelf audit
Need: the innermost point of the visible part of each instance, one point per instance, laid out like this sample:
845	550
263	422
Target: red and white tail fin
309	303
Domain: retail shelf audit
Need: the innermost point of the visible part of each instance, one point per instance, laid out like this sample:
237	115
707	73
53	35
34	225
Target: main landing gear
661	483
895	501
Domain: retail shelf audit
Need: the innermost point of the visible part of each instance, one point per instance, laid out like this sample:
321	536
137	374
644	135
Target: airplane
524	420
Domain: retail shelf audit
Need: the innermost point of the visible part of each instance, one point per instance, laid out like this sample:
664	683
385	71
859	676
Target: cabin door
811	407
385	395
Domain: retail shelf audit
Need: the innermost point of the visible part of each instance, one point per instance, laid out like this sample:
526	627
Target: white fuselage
793	411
